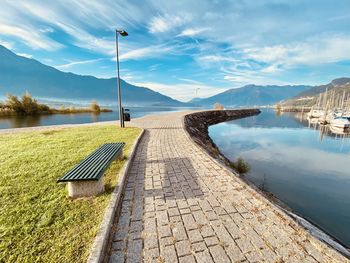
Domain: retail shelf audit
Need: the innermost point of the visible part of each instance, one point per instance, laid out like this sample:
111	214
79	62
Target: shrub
218	106
26	105
240	166
95	107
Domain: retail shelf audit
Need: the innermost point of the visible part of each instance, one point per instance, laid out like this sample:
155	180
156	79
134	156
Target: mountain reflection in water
302	163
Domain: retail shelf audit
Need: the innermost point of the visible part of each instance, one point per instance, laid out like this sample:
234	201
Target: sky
185	49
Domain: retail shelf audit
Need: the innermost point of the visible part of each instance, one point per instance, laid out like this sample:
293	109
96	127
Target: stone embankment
180	205
196	124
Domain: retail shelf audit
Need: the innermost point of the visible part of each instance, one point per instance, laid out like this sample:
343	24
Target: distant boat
316	113
339	131
340	122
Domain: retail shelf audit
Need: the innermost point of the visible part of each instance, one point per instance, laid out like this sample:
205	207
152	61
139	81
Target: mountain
251	95
322	88
310	97
18	74
337	87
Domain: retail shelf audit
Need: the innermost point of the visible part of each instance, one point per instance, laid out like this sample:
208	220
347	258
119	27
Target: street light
124	34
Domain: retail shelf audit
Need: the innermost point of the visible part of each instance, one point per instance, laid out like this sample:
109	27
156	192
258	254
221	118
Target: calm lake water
305	167
55	119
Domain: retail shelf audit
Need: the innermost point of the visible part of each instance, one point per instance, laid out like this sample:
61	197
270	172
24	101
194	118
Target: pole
118	82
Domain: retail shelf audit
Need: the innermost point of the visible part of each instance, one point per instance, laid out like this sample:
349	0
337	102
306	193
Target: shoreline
196	125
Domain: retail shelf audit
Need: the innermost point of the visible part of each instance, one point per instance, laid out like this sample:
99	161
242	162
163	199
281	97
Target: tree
95	107
218	106
29	104
14	104
26	105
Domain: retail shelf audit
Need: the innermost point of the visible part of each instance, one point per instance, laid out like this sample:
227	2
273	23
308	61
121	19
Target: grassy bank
37	220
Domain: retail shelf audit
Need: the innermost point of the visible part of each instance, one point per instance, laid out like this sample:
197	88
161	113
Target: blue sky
186	48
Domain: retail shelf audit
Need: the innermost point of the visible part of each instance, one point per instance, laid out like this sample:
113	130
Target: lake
303	165
78	118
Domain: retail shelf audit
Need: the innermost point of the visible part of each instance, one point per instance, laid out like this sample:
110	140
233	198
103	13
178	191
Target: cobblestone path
181	206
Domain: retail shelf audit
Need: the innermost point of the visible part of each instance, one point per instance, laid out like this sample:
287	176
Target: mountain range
310	97
19	74
251	95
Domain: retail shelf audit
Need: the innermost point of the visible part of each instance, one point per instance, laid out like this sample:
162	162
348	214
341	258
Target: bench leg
85	188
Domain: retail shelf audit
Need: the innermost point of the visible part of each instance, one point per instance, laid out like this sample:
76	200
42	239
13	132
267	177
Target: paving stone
204	256
134	251
164	231
179	205
234	253
189	222
117	257
167	241
194	236
151	254
245	245
183	248
168	254
211	241
207	231
150	241
218	254
187	259
179	231
119	245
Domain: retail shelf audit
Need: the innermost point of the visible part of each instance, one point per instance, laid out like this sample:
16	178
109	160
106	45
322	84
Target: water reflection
302	163
42	120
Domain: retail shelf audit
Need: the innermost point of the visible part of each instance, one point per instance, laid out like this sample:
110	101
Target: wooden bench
85	179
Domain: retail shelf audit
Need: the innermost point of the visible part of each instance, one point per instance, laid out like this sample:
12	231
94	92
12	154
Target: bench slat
95	164
103	159
85	164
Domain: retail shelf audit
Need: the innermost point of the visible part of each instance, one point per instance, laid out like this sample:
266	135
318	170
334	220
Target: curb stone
99	247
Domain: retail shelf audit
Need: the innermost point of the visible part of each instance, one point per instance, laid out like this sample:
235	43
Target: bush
218	106
95	107
26	105
240	166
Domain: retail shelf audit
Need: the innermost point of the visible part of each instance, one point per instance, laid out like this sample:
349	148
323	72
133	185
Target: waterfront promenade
181	206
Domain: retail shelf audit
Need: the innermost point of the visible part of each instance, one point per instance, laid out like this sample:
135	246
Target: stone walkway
181	206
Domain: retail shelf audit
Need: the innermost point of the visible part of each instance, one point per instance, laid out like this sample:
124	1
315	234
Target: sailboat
341	122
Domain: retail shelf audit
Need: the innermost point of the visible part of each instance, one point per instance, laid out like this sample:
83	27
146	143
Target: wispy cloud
190	32
33	39
166	22
25	55
146	52
74	63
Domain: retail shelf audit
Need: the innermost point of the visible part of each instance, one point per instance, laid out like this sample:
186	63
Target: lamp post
124	34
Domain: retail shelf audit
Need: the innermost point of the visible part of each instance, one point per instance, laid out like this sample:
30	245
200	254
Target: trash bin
126	115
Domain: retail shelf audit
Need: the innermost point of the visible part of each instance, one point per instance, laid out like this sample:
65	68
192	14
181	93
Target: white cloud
29	36
25	55
182	92
193	31
74	63
314	51
7	44
146	52
216	58
160	24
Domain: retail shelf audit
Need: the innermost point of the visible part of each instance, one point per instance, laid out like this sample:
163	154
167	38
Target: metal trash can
126	114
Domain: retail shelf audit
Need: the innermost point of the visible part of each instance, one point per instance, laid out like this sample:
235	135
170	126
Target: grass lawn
38	222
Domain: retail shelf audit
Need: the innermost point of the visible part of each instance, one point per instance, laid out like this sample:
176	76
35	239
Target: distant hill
18	74
251	95
310	97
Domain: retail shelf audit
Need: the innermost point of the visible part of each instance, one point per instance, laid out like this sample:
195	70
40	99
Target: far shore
11	113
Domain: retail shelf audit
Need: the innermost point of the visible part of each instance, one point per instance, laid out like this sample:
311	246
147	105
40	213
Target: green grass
38	222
